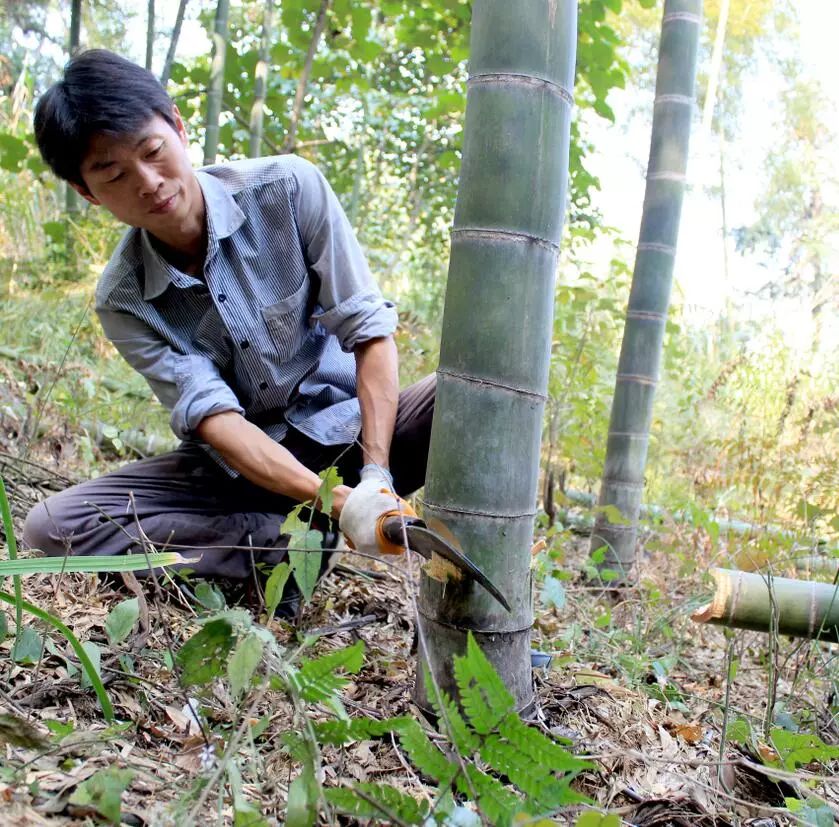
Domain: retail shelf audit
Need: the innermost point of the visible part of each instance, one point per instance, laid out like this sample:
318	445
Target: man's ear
179	124
84	193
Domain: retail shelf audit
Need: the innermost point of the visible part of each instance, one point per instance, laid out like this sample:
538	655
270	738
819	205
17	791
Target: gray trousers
183	497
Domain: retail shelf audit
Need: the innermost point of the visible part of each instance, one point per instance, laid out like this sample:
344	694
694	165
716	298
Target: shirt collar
223	219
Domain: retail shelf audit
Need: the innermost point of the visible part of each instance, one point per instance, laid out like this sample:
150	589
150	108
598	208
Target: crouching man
241	294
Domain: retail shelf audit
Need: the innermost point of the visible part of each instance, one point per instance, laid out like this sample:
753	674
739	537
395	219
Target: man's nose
149	178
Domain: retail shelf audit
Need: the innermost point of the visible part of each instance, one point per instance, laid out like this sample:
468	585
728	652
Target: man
240	293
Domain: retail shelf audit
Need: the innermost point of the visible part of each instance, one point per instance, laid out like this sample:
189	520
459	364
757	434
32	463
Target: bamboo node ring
684	100
639	378
646	315
657	248
683	16
523	80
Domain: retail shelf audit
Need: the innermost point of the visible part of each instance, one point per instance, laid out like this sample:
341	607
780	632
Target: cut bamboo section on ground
802	608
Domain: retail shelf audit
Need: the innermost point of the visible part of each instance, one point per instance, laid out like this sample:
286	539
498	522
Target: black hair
101	93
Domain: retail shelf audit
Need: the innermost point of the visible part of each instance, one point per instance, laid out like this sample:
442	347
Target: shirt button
222	297
263	386
245	345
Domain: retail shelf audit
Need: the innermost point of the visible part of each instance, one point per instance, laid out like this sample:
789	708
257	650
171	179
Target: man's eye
156	150
115	178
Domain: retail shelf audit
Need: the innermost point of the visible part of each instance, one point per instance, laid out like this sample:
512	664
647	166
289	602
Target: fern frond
537	746
497	803
316	680
377	801
427	758
450	720
483	695
297	746
357	729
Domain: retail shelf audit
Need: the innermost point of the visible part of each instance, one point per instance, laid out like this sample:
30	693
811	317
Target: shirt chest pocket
288	321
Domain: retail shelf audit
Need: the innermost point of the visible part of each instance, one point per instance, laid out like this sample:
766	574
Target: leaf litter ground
634	684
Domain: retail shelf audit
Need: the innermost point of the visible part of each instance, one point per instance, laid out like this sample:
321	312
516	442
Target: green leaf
210	597
13	151
302	808
331	478
274	587
388	798
243	663
204	656
95	654
553	593
316	680
483	695
27	646
4	626
304	554
592	818
31	608
103	791
427	758
450	720
121	620
738	731
121	562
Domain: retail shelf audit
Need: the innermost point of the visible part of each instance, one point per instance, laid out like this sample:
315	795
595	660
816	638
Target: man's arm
264	462
377	383
202	404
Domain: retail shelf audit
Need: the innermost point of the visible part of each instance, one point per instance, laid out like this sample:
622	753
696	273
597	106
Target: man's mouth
165	205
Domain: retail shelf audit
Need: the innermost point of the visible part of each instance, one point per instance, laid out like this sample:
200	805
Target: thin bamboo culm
646	317
497	329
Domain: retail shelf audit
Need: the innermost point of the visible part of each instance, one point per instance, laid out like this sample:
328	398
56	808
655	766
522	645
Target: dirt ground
642	693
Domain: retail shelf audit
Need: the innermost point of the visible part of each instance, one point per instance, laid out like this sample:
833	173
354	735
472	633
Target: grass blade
90	671
11	543
57	565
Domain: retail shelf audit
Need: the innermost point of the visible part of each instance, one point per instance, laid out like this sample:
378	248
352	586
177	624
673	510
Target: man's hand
367	505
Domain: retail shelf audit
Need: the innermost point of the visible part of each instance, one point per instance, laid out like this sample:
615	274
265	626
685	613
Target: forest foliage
745	424
382	116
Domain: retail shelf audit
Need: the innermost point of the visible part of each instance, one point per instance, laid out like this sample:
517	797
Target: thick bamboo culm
646	317
497	329
744	600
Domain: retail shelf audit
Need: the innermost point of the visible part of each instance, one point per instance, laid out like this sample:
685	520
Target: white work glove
366	507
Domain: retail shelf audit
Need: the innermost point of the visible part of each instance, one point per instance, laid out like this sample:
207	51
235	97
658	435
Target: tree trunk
261	82
173	43
303	82
75	27
492	379
638	367
216	90
802	608
149	34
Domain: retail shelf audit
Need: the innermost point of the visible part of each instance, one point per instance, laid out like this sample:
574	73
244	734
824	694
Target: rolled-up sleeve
352	306
188	385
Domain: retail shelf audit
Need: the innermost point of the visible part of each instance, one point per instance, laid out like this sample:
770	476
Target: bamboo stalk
640	357
173	43
216	89
303	82
745	601
261	82
483	464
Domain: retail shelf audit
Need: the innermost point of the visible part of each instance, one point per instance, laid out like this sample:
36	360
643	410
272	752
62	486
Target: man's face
144	179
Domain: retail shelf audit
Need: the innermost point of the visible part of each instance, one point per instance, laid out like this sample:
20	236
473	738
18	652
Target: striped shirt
269	332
